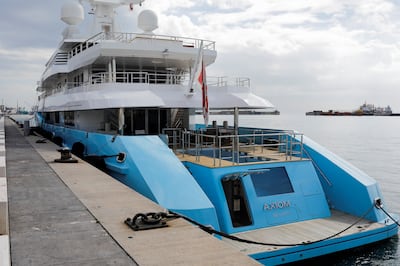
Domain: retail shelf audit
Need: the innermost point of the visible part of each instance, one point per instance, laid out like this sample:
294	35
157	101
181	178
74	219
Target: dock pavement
73	214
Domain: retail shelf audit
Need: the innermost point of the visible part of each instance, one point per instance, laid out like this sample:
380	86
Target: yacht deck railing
168	78
224	147
131	37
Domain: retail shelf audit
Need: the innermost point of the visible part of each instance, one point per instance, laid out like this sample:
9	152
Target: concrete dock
4	230
73	214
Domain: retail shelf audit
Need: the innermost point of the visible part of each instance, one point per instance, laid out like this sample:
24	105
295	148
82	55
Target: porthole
121	157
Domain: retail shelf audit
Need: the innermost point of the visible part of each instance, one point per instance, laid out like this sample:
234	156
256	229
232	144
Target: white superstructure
112	69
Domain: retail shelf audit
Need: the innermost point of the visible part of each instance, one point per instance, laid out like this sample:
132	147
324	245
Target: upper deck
133	50
135	38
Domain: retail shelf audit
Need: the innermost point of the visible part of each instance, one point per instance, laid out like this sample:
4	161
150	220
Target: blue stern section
158	174
149	167
347	188
294	196
243	197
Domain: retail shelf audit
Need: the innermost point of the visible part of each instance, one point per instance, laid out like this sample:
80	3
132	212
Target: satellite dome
147	21
72	13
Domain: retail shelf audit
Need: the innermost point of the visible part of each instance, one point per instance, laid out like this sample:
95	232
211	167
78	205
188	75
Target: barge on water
363	110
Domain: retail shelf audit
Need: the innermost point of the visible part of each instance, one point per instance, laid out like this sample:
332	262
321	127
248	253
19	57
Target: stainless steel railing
131	37
239	149
148	78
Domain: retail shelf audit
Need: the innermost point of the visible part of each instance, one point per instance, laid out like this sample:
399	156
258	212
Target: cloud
30	23
338	52
301	54
19	71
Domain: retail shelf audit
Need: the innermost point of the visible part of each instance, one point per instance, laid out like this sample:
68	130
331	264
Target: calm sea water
370	143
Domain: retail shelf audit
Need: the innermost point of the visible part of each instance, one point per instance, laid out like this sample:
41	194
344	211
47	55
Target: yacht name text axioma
268	206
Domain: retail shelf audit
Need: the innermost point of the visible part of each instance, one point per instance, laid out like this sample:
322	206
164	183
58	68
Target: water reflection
383	253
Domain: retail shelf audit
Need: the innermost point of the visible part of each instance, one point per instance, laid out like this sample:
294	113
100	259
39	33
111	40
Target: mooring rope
378	205
235	238
210	230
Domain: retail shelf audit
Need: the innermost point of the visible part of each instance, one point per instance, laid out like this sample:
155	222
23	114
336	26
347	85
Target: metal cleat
66	156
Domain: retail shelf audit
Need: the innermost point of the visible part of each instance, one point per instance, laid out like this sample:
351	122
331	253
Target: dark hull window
153	121
237	202
139	121
272	181
57	117
69	118
145	121
47	118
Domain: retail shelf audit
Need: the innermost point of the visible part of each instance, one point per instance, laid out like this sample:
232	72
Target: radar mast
104	13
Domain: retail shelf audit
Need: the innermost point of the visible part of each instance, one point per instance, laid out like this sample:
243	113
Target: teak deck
301	232
264	154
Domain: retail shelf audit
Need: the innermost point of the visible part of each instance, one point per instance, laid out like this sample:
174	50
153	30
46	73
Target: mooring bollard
27	128
66	156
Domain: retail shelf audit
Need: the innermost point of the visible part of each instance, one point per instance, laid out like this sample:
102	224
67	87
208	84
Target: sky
301	55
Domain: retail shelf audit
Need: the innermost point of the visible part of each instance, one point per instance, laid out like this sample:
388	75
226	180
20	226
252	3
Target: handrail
318	168
169	78
174	137
139	77
242	148
125	37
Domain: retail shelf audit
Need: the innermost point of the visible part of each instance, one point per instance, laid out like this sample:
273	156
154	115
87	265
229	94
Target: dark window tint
272	181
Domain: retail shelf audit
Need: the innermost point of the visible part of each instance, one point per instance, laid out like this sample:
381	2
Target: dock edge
5	258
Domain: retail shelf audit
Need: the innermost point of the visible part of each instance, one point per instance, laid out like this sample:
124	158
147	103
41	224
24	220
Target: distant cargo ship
365	109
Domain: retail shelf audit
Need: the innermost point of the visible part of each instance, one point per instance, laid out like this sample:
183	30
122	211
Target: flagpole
204	92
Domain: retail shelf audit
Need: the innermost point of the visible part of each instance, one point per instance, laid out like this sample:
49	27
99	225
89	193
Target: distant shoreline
242	112
338	113
364	110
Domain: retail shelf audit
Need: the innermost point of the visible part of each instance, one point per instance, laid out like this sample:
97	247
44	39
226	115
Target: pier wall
4	226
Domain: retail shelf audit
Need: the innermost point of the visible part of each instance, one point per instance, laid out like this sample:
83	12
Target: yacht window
236	200
69	117
272	181
48	118
57	117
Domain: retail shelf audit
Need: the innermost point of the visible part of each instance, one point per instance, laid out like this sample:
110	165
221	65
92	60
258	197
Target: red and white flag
203	81
200	83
